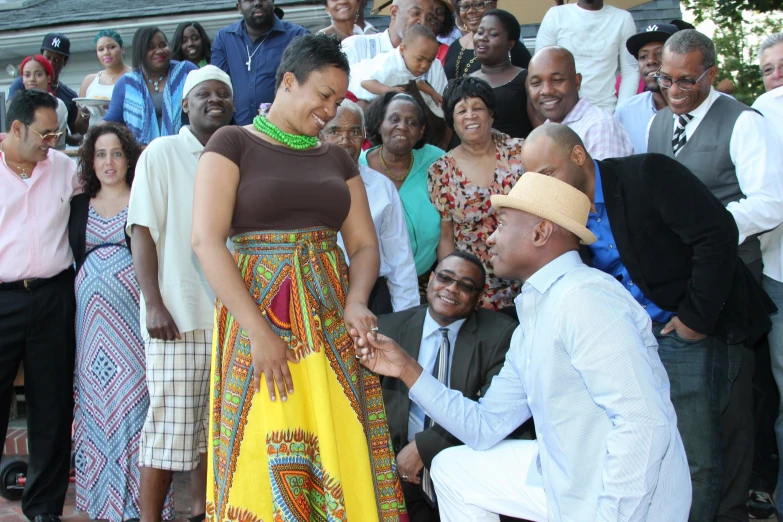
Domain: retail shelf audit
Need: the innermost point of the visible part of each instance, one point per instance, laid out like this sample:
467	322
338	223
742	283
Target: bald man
404	14
553	87
673	245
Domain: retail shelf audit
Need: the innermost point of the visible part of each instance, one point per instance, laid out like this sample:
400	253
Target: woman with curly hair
109	383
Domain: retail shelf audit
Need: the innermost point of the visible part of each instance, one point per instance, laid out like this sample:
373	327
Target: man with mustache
177	304
37	303
636	112
673	246
596	34
733	151
250	50
583	363
553	88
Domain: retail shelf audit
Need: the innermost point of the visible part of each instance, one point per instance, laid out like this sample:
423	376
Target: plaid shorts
175	430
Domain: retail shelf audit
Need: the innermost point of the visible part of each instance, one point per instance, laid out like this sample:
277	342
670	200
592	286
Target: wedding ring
405	478
374	329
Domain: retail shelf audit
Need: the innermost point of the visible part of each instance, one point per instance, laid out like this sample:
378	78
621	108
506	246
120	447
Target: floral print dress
468	207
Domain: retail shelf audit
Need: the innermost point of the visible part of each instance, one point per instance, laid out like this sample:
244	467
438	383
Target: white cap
206	73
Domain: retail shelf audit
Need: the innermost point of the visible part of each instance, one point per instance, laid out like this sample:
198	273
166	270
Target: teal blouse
421	217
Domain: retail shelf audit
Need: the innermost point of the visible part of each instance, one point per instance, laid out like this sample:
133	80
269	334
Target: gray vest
706	154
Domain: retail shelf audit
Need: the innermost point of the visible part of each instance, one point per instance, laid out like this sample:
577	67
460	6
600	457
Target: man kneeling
583	363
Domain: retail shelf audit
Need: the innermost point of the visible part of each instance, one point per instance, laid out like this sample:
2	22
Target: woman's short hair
109	33
376	113
462	89
87	177
46	64
310	53
142	40
179	35
508	21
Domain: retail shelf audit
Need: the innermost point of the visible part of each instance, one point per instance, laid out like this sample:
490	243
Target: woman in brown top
284	310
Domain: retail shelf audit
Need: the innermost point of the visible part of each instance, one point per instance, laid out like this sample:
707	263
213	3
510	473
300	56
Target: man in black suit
673	245
480	339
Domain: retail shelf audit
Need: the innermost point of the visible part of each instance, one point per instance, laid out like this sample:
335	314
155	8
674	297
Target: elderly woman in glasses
397	285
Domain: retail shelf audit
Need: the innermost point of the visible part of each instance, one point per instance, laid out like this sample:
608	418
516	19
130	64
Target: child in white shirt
392	71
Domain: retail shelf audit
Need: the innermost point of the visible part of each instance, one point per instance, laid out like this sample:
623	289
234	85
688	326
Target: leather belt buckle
26	283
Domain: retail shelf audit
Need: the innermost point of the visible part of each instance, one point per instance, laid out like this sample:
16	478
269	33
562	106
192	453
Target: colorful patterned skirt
325	454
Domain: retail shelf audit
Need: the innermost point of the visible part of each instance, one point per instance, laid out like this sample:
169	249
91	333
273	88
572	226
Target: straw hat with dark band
383	7
550	199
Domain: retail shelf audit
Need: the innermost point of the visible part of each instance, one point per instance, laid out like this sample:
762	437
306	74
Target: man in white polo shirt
177	303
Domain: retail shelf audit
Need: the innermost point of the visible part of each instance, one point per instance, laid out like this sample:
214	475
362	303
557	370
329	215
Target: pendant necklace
250	56
24	174
154	83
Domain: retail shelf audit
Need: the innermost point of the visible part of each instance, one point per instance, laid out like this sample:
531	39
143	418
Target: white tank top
95	90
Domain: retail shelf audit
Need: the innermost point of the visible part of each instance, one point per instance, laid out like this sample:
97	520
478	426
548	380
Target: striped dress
110	391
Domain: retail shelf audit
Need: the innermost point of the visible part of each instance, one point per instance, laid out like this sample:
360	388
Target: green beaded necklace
293	141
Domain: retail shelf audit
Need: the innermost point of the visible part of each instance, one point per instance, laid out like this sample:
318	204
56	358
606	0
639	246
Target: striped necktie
679	139
441	371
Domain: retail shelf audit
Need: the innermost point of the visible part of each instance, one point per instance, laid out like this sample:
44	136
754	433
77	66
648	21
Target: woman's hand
359	321
271	355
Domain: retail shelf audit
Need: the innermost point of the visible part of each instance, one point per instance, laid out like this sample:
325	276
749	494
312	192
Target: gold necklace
459	59
388	172
24	174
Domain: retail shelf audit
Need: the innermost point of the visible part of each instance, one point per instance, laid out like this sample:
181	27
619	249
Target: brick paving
12	511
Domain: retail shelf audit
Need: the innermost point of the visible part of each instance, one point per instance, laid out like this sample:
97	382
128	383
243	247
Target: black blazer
679	244
479	354
77	229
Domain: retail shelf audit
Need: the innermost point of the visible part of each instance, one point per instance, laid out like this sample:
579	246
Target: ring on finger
374	329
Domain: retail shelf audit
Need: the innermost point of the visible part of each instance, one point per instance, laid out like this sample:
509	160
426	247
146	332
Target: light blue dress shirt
584	363
635	114
428	354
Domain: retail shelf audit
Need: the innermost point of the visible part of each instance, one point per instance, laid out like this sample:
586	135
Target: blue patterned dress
110	390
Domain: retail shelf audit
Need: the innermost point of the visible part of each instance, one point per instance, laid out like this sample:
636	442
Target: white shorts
175	429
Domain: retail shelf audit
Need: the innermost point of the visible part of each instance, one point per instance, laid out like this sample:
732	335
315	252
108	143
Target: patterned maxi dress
110	391
325	454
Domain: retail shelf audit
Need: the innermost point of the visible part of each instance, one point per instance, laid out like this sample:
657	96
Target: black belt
33	283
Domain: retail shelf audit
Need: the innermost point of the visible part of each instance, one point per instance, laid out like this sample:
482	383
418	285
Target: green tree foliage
740	25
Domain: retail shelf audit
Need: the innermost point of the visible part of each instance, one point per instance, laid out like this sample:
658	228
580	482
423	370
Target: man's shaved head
553	83
561	136
555	150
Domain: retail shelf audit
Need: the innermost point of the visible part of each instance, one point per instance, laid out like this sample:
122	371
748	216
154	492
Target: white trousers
475	486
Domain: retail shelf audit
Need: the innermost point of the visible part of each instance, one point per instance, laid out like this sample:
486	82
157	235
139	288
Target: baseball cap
57	43
653	33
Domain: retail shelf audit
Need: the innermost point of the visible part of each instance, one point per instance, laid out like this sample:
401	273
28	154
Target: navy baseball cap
653	33
57	43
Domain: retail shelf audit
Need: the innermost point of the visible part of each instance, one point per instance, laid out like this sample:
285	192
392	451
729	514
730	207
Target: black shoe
760	505
46	518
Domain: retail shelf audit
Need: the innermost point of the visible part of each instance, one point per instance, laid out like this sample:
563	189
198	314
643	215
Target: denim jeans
775	291
698	373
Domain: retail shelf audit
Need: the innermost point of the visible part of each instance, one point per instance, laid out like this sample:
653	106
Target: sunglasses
478	6
46	137
447	280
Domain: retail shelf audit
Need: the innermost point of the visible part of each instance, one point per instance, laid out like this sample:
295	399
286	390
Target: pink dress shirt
34	218
603	136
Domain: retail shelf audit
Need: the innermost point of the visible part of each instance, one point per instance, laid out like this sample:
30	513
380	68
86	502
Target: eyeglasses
46	137
351	133
685	84
478	6
769	70
447	280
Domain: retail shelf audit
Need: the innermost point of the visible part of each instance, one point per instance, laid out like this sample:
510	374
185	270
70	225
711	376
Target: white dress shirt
368	29
603	136
635	114
368	46
584	363
757	158
388	216
428	354
770	104
390	69
597	41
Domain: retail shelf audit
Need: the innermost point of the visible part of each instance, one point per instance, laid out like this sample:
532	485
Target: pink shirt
34	218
